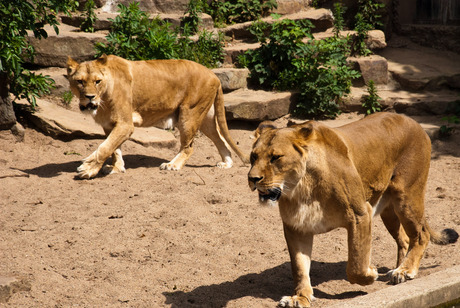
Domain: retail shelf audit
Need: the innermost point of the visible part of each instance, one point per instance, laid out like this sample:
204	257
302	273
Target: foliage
372	101
235	11
16	17
339	21
135	37
446	130
289	59
90	17
361	27
370	12
281	42
193	20
67	97
366	19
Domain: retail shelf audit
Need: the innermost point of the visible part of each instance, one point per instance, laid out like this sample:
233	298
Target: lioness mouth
272	194
89	106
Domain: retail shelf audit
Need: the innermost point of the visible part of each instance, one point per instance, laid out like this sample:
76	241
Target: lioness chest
308	216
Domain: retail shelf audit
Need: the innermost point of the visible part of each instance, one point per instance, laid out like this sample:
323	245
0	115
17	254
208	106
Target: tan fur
121	94
329	178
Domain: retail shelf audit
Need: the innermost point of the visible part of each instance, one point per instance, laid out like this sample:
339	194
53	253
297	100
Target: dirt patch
194	238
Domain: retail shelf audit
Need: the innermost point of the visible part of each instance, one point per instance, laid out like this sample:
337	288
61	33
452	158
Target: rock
152	6
322	19
61	123
376	40
7	116
54	50
419	68
232	51
259	105
372	67
59	75
232	78
18	131
10	285
291	6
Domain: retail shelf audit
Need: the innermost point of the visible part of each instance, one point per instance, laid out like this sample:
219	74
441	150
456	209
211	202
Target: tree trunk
7	117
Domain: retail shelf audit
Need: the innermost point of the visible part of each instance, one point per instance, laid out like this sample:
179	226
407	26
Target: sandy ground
193	238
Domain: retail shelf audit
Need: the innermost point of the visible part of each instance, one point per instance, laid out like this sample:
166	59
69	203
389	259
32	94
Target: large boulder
250	105
54	50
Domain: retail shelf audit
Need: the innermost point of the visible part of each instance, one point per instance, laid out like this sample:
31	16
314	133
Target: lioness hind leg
210	129
393	225
187	129
409	209
117	166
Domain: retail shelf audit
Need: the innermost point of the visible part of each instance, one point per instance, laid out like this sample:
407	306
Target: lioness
121	94
324	178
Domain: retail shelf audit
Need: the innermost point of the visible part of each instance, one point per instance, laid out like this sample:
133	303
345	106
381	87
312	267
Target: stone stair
408	78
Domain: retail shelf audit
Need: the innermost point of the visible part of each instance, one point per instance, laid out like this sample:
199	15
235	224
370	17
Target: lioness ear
304	130
71	65
102	59
265	125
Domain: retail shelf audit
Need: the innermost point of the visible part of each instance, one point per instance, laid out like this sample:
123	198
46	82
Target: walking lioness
324	178
121	94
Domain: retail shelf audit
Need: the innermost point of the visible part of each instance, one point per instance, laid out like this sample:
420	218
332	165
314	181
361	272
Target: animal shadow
131	162
272	283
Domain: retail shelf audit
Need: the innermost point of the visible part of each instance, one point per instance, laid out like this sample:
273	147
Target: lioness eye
275	158
98	81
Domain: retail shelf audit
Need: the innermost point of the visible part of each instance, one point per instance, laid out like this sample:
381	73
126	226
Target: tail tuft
450	235
446	236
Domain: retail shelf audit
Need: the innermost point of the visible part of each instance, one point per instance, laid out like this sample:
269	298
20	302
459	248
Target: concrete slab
430	291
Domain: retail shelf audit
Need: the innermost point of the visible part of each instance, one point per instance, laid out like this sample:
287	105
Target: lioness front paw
399	275
90	168
111	169
294	302
169	166
224	165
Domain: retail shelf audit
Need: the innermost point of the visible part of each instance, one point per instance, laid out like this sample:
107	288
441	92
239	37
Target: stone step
418	68
257	105
411	103
375	42
322	19
104	20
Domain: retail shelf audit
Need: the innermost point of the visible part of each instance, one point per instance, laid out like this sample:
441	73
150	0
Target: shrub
90	17
289	59
371	102
134	37
234	11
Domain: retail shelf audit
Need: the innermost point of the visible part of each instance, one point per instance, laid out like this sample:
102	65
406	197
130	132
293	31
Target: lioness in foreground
121	94
325	178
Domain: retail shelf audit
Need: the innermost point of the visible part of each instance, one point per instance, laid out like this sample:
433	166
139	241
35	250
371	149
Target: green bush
134	37
289	59
16	17
90	17
235	11
371	102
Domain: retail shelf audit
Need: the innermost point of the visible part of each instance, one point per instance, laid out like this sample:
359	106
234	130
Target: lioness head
88	82
278	160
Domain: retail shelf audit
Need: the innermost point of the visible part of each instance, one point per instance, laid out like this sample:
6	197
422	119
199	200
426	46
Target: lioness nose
254	179
90	97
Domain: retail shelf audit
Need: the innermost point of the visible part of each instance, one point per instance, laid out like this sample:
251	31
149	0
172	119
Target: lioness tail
219	109
446	236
